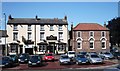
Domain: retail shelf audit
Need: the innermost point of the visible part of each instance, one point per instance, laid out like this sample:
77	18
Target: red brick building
90	37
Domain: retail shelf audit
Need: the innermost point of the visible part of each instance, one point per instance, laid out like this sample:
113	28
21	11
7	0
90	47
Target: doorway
29	50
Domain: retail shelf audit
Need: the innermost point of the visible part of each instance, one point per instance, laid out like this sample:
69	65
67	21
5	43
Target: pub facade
37	35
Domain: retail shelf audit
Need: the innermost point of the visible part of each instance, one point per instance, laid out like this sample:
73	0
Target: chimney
9	17
65	17
36	17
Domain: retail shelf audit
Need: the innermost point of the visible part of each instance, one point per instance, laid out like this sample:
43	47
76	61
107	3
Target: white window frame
41	39
80	44
29	38
15	27
90	33
15	36
105	44
80	34
41	27
93	44
60	29
29	27
104	34
59	37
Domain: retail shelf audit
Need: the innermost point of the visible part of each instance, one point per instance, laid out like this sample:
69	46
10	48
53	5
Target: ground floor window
61	47
42	48
91	45
103	45
79	44
13	48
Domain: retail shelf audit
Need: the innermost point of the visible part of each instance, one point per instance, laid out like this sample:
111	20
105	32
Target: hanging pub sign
51	37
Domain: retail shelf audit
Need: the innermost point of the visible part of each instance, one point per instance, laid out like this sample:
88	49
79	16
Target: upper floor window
79	34
15	27
15	36
60	28
91	34
29	27
102	34
41	35
42	27
29	36
60	35
51	28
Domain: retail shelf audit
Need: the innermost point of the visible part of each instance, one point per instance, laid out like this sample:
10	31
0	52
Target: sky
76	12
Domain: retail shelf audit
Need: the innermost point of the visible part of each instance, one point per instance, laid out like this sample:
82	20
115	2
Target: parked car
15	59
49	57
83	53
116	55
7	61
64	59
106	55
35	60
23	58
71	54
80	59
90	53
93	58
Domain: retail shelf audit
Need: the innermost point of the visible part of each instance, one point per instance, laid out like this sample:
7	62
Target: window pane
15	36
91	44
103	34
29	27
29	36
42	36
78	34
60	27
41	27
60	48
60	35
103	44
51	27
91	34
78	45
15	27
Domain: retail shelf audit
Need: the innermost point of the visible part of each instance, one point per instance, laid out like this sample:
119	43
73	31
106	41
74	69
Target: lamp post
5	33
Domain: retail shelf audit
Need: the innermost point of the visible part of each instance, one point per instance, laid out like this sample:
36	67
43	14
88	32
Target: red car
49	57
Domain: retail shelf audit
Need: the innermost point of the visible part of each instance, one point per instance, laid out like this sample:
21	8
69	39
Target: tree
114	26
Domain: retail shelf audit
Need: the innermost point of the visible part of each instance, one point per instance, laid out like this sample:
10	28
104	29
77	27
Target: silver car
106	55
64	59
93	58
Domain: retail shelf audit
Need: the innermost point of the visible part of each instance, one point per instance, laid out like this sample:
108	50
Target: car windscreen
80	56
34	58
71	53
64	57
23	56
94	56
107	53
5	58
49	54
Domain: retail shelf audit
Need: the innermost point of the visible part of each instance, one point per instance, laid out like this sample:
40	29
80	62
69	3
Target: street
56	66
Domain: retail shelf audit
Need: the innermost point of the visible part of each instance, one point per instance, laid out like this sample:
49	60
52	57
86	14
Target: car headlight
46	58
18	59
6	63
29	62
38	62
25	59
79	61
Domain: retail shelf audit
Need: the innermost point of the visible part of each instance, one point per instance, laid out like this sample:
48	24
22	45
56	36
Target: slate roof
54	21
89	26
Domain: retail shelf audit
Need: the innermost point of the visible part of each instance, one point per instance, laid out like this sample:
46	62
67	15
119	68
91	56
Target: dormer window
15	27
91	34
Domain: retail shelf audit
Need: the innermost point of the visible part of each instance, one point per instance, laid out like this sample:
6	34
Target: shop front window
13	48
42	48
61	48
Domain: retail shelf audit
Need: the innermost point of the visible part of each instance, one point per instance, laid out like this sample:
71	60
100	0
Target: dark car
35	60
116	55
7	61
81	59
15	59
83	53
23	58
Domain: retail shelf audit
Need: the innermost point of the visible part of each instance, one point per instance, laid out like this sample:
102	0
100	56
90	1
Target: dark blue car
7	61
81	59
23	58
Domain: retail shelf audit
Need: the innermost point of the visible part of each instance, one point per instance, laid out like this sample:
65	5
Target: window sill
91	48
79	48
